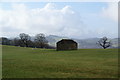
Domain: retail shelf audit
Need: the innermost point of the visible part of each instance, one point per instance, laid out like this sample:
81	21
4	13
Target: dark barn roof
67	40
66	44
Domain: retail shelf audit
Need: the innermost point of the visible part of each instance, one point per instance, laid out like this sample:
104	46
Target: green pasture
21	62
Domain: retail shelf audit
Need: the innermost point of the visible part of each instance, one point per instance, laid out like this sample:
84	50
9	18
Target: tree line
40	41
24	40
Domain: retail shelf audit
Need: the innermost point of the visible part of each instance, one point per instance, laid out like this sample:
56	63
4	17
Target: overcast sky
71	19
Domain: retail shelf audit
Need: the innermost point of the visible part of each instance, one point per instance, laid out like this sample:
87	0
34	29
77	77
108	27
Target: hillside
53	39
82	43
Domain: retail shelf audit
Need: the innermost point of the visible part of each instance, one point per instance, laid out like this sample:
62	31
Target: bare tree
16	42
40	40
25	38
104	42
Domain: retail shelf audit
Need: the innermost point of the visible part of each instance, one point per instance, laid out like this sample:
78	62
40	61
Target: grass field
20	62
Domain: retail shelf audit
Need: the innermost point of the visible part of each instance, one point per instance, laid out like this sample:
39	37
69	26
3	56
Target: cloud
51	20
59	0
48	20
111	11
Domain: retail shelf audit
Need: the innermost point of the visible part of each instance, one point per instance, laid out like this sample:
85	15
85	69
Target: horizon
79	20
64	37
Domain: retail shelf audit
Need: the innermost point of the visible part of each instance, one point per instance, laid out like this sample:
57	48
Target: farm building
66	44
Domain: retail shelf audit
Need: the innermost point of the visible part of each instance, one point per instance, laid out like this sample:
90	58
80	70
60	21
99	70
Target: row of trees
25	40
40	41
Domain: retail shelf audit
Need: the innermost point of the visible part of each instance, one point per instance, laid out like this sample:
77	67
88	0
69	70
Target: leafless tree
25	38
104	42
40	40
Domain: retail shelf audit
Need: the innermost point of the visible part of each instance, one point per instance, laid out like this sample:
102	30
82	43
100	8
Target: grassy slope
21	62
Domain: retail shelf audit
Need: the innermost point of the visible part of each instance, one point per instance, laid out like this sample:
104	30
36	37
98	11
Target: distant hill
82	43
53	39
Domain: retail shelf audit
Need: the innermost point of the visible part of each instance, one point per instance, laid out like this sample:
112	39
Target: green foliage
20	62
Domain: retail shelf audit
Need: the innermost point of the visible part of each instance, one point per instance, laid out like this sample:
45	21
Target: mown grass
20	62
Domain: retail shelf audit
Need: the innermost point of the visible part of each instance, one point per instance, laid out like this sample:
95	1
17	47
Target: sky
71	19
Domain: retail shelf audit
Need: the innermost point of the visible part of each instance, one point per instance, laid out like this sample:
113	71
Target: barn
66	44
